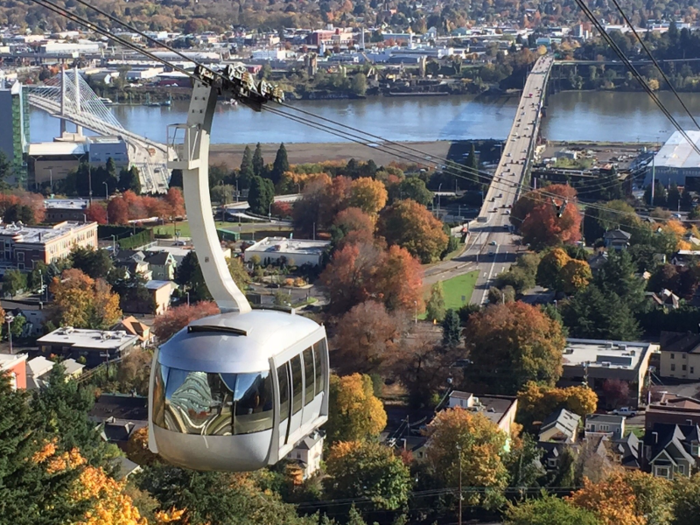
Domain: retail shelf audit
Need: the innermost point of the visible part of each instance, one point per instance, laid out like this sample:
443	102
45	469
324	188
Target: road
491	247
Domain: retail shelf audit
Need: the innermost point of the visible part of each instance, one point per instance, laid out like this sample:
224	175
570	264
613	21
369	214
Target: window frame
300	398
308	355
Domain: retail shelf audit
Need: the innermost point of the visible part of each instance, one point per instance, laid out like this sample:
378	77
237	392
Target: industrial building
274	250
677	162
96	346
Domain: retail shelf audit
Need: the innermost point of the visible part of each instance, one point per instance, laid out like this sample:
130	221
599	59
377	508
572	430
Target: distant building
101	149
617	239
594	361
608	424
499	409
25	246
38	369
162	265
283	250
96	346
672	409
680	355
14	133
59	210
628	451
48	162
15	366
161	292
677	162
133	326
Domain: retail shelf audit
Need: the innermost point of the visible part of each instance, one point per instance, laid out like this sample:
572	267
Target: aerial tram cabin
234	391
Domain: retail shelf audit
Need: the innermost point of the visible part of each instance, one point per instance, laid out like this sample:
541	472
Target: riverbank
300	153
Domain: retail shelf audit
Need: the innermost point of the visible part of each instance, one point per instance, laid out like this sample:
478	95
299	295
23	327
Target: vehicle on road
625	411
493	243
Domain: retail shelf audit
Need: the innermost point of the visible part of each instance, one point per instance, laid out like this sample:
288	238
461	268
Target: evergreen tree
131	180
261	195
258	161
246	173
674	197
686	200
280	166
618	276
451	329
5	167
473	164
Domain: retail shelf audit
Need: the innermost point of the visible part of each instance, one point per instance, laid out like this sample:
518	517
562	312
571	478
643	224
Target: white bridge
69	98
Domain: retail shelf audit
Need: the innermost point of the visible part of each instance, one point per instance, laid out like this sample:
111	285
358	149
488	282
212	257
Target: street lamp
106	199
188	298
114	244
438	196
9	318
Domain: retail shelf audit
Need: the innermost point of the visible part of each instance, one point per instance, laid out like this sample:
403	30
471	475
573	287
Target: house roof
133	408
309	441
133	326
674	440
617	235
628	448
39	366
680	342
157	285
564	421
605	418
125	467
159	258
129	256
72	366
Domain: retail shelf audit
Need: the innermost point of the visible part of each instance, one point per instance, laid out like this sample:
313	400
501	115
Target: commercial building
14	132
48	162
677	162
59	210
101	149
680	355
594	361
673	410
96	346
21	246
279	250
15	366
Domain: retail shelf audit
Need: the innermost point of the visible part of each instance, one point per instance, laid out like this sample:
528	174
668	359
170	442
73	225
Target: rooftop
38	149
492	406
157	285
10	360
63	204
677	153
284	245
92	339
680	342
604	354
41	234
605	418
133	408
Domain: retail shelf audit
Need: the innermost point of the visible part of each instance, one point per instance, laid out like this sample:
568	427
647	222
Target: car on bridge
493	243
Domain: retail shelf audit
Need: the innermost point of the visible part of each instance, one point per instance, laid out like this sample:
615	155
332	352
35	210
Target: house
560	427
594	361
665	299
132	408
680	355
627	451
133	326
598	261
672	409
59	210
73	369
134	262
15	366
308	453
38	370
96	346
161	292
617	239
607	424
499	409
294	252
36	319
26	246
672	450
125	468
162	265
118	431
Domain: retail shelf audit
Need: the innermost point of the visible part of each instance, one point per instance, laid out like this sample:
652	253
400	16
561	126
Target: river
596	116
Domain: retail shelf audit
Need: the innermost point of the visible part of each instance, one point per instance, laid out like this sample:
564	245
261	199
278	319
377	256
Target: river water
599	116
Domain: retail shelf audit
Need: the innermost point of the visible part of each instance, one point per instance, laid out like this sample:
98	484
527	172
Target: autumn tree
84	302
166	325
482	445
550	268
368	194
352	225
118	211
137	448
686	499
354	412
511	344
575	276
413	227
548	510
546	221
367	470
536	402
365	335
616	391
97	212
134	371
175	202
362	271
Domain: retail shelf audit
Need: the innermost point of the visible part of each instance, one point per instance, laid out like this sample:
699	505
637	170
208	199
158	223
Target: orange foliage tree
354	412
366	335
362	271
536	216
368	194
137	448
84	302
412	226
97	212
33	203
482	446
118	211
166	325
511	344
352	225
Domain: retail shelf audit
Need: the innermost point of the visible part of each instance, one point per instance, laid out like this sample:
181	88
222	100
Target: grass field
458	287
246	229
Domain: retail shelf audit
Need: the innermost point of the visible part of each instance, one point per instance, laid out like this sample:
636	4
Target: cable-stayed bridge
69	97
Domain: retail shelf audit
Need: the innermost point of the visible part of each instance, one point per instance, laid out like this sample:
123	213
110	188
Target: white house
308	453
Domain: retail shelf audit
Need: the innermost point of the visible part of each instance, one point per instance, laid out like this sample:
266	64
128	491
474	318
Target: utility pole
653	177
459	514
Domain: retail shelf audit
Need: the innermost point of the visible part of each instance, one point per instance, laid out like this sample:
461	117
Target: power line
653	59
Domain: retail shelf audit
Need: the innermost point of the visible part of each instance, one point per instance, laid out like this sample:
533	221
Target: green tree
415	189
618	275
596	314
258	161
28	493
435	307
189	274
261	195
451	329
130	179
95	263
548	510
13	282
246	172
367	470
674	197
5	167
686	500
473	164
280	166
359	84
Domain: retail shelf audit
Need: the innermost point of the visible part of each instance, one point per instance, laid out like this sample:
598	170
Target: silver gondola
234	391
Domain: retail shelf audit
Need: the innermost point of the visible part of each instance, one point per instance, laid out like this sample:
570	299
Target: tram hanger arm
190	143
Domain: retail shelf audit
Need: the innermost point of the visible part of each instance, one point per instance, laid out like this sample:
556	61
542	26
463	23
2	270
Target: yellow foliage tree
482	445
137	448
653	84
612	500
83	302
536	402
575	276
368	194
109	505
355	413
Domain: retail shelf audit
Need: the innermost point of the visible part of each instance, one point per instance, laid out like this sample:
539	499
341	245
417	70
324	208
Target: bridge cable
656	63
